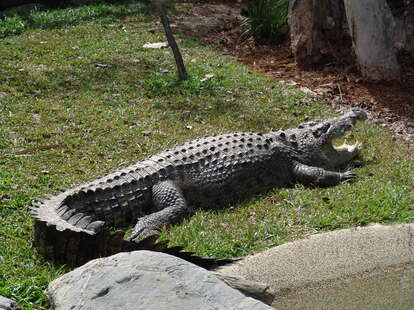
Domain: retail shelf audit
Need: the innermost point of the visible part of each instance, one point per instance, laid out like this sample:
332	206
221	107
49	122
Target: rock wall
372	27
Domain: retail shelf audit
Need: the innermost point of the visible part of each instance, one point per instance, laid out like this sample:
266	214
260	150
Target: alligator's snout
357	114
339	125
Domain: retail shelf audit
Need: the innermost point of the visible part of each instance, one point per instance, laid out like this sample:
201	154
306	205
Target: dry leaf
156	45
146	132
4	197
37	117
289	83
307	91
207	77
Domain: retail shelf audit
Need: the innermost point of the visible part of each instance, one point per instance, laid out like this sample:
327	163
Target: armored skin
209	172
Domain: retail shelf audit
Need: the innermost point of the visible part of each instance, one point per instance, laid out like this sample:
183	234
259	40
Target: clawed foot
348	176
138	235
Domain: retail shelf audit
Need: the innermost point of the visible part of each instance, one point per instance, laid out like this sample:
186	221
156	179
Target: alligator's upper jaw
341	124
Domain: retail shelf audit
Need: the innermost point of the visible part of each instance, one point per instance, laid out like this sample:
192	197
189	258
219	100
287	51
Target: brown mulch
391	104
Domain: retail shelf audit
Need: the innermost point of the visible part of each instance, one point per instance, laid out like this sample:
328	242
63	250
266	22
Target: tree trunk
371	26
182	73
409	26
314	26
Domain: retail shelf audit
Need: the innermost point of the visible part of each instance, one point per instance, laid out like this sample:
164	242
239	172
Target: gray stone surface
145	280
389	289
8	304
254	289
371	26
328	258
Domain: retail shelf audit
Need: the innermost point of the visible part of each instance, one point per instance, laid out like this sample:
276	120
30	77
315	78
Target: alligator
80	223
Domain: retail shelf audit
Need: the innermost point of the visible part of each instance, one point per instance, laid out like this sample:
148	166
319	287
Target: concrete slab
327	259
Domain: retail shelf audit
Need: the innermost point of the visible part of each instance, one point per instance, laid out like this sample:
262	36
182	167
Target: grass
82	98
100	13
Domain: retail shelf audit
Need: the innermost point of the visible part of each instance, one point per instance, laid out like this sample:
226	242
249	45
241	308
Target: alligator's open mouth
343	124
339	154
342	153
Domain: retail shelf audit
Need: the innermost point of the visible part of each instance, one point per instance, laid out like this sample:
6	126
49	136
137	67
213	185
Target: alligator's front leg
172	208
319	176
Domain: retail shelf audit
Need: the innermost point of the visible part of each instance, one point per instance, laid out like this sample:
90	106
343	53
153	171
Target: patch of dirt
391	105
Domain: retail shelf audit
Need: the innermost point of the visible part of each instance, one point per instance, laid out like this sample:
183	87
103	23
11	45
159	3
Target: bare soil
391	105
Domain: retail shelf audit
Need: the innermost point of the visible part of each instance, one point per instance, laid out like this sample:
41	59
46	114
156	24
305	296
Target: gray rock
372	30
145	280
257	290
8	304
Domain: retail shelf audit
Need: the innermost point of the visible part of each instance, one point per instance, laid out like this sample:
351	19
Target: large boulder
409	24
8	304
145	280
315	26
371	25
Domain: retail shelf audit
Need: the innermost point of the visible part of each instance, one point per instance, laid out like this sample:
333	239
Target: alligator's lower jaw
350	148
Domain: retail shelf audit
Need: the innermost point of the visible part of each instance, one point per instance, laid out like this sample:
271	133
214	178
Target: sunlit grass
82	98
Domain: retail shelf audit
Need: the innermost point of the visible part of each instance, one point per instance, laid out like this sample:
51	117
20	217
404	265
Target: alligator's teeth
348	147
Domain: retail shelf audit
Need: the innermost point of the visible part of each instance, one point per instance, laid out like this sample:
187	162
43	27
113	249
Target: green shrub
267	20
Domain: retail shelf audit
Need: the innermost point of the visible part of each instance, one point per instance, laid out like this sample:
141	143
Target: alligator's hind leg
319	176
170	206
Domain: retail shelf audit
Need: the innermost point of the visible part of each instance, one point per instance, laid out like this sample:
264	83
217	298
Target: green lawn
80	97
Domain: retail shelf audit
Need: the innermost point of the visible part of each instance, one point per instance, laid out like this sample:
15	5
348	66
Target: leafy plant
267	20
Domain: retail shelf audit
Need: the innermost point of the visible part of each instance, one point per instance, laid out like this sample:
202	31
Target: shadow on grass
50	18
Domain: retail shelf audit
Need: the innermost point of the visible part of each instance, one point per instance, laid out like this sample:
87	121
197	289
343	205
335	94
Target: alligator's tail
78	239
71	237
